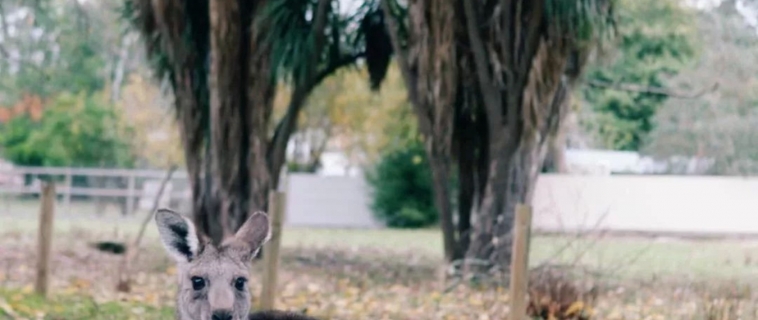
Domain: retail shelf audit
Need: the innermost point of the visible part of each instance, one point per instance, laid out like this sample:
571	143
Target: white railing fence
132	187
655	203
312	200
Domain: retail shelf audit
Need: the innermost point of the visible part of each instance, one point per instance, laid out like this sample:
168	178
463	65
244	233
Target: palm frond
288	26
348	37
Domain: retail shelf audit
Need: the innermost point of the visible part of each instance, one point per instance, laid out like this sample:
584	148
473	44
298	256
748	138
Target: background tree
715	133
147	108
75	131
655	42
345	113
54	46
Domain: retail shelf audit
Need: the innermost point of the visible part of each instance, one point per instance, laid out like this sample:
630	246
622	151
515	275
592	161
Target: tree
717	129
430	76
55	46
490	94
655	42
223	59
145	108
76	130
351	116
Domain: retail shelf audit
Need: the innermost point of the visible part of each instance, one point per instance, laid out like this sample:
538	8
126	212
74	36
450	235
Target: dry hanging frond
544	78
378	46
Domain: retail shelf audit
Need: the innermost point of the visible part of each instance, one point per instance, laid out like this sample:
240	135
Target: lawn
374	274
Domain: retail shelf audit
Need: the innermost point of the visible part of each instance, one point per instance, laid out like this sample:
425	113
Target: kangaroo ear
251	236
177	234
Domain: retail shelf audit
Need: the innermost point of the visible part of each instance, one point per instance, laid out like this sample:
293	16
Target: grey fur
218	267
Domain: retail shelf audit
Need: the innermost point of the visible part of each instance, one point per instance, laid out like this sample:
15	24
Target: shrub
402	188
553	295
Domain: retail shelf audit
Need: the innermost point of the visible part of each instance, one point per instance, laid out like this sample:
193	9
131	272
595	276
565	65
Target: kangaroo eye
239	283
198	283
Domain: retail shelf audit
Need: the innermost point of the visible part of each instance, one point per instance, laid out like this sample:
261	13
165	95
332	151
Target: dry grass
388	274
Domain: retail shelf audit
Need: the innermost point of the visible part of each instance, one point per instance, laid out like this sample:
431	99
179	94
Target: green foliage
402	188
21	304
655	41
75	130
718	128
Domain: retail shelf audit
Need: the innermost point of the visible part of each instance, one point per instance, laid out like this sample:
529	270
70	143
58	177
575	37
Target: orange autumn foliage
31	105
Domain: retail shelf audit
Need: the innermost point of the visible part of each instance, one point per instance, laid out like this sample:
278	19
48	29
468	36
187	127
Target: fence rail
14	181
64	171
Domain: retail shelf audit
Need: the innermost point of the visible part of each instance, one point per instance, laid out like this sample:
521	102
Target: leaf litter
331	283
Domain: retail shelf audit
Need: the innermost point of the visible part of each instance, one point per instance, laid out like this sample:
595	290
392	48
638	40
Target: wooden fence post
69	181
520	261
276	208
130	197
45	238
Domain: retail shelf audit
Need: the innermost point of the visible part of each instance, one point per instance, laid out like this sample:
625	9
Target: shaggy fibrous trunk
223	92
218	58
525	63
429	69
241	92
500	75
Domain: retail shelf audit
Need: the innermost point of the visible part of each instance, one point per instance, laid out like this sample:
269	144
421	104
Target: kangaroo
213	280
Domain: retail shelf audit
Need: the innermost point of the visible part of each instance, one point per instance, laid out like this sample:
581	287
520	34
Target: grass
624	257
22	304
349	273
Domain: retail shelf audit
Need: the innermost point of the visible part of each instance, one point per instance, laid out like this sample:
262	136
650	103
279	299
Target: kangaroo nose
221	315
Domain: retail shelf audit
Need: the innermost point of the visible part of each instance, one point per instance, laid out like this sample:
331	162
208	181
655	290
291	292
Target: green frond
288	25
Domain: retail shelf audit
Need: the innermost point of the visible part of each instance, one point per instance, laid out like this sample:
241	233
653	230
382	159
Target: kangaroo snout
221	315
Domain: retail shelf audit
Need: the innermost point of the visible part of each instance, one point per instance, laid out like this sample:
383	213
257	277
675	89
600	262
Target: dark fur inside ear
177	234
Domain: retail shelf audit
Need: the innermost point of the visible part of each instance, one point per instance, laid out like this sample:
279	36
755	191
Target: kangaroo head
212	279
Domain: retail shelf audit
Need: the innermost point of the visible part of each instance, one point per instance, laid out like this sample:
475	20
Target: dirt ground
340	283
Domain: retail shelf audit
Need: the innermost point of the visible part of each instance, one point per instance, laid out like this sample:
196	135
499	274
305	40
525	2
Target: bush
74	130
403	195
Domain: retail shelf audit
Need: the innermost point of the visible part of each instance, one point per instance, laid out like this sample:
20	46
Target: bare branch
292	109
630	87
288	124
132	252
